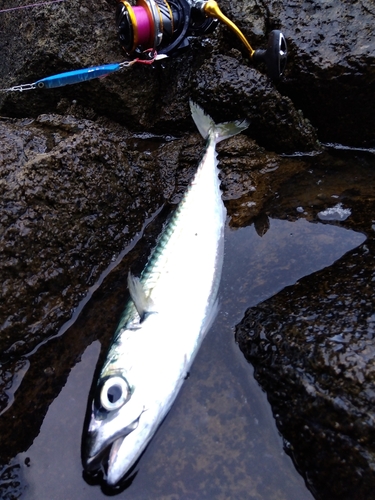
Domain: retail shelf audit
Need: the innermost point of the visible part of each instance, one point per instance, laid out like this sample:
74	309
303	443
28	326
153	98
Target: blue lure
85	74
77	76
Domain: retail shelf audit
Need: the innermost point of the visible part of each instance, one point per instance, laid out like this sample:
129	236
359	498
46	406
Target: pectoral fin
142	302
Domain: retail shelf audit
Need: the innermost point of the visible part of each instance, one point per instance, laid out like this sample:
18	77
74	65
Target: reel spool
159	25
164	25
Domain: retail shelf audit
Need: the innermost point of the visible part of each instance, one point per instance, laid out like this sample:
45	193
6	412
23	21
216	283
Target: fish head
114	414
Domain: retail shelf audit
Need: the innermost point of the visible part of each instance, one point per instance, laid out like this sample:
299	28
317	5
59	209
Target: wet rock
312	345
251	177
71	192
330	72
223	86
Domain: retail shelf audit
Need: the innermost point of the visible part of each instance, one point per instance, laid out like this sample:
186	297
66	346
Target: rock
312	344
330	72
71	192
330	69
331	53
224	86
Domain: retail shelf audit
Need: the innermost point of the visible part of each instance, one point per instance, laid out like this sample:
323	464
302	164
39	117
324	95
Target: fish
171	307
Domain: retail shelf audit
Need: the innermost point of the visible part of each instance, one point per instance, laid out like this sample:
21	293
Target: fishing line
32	5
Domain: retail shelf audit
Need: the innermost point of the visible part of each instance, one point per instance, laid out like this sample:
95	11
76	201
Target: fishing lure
85	74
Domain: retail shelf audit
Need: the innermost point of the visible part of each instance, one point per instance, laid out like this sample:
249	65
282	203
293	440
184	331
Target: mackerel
170	309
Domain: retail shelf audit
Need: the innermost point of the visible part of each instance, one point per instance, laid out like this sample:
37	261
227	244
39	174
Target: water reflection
219	440
51	466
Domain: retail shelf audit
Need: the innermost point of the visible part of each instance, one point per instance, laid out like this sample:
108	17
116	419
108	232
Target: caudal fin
206	125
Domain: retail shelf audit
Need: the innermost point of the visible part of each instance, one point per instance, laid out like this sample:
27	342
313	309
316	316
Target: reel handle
212	9
274	56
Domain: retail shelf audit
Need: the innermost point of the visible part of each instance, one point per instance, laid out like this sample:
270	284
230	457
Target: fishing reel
165	25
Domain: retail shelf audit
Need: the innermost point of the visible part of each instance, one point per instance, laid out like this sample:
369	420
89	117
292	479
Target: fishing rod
152	30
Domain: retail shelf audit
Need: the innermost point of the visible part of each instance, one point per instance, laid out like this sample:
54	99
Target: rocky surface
329	75
331	67
65	187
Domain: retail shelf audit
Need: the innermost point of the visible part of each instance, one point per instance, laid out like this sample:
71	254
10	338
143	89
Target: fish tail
220	131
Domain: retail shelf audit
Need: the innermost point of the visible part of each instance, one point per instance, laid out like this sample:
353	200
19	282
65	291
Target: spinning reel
166	25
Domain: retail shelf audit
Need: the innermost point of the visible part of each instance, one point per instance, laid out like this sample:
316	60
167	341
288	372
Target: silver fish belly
171	308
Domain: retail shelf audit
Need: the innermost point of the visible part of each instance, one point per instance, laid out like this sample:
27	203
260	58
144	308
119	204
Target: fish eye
114	394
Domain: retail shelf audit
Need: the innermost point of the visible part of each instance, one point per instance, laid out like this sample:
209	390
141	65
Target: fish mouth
112	476
104	459
95	456
105	463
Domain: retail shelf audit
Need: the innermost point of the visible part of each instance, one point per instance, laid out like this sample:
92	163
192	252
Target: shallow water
220	435
219	440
